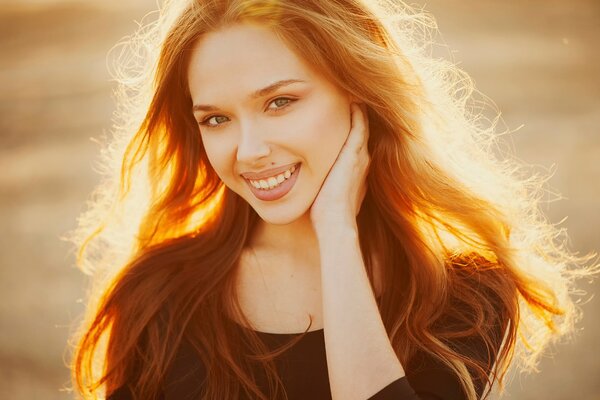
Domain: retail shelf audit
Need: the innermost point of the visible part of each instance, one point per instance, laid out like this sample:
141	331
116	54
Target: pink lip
267	173
279	191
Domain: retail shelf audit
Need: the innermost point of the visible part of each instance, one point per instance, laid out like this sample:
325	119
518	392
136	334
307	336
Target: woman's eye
212	125
283	104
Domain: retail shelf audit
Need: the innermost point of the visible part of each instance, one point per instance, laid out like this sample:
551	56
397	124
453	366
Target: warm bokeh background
538	60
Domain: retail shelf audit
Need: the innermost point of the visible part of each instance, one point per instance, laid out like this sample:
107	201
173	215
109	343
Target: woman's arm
360	357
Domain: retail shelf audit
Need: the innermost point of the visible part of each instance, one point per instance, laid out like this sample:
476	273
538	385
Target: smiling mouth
274	181
275	190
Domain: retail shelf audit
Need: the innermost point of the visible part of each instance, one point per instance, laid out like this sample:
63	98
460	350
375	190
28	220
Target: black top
303	370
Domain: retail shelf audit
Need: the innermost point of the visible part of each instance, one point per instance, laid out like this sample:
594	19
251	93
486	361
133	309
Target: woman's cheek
318	138
217	154
332	130
314	122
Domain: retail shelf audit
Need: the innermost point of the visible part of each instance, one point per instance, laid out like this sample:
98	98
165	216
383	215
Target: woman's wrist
334	227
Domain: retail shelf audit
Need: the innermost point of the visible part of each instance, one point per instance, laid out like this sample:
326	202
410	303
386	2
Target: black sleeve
400	389
427	378
430	379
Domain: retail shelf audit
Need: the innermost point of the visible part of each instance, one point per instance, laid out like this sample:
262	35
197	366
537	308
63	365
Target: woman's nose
251	146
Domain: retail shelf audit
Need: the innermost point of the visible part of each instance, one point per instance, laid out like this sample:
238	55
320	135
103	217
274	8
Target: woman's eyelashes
281	102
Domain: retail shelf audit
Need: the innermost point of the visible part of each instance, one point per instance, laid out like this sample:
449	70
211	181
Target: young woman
305	209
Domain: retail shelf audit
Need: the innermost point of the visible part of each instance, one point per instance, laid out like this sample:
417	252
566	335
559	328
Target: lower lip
279	191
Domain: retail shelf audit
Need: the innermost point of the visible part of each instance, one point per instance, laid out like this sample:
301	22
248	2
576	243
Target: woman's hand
344	188
364	362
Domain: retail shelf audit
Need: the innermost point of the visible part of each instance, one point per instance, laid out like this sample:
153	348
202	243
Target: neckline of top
290	334
315	331
320	330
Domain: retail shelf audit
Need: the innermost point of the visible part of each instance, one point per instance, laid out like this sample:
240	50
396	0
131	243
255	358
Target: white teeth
273	181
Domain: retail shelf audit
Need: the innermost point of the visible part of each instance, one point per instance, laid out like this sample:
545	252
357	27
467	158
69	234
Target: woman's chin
278	217
280	214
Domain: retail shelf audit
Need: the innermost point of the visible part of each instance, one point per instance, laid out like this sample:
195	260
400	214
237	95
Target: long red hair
454	228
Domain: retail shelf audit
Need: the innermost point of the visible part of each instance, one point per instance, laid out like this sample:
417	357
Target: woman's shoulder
184	378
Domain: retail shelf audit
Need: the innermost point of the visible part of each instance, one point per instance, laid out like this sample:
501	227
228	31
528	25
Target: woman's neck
297	239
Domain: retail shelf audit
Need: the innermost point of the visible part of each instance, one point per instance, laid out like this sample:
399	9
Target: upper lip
267	173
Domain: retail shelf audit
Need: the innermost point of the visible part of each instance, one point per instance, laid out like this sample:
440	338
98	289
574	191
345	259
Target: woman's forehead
245	57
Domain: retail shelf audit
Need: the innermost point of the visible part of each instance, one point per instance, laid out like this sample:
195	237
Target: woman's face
249	126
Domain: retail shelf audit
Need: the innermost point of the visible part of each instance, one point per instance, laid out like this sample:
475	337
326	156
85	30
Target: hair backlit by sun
448	210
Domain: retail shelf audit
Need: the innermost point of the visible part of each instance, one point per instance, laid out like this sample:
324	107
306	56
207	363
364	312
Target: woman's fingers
359	134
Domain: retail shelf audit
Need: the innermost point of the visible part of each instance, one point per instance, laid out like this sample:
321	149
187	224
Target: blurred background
538	60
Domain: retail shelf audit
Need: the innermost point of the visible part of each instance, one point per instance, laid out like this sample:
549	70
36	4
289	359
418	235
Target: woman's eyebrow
254	95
